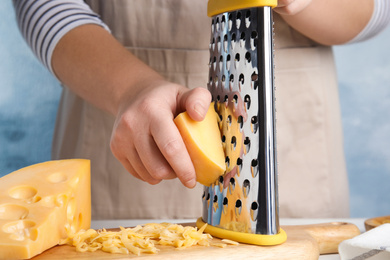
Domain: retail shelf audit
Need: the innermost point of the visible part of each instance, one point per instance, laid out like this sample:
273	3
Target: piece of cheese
204	145
42	204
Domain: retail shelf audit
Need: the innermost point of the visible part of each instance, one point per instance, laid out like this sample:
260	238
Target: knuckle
147	107
172	148
160	173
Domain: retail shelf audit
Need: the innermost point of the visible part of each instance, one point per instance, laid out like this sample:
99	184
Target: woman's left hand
291	7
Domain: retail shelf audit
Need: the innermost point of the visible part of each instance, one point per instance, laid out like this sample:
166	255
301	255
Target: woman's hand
146	140
328	22
291	7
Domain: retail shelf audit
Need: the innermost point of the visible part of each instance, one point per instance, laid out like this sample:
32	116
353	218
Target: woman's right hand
146	140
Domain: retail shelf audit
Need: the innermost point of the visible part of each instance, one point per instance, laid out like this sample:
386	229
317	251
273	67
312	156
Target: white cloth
373	245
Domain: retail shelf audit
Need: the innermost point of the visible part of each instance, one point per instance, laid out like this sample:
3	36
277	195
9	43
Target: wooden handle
330	235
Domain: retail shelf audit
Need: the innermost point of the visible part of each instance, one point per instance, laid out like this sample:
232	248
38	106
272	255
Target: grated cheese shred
143	239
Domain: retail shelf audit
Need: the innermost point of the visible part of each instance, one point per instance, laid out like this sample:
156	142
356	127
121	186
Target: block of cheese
42	204
204	145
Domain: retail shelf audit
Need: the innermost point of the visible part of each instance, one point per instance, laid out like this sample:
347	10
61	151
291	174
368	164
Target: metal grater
241	81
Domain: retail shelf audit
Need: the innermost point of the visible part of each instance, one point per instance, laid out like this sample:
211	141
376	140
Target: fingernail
200	109
191	183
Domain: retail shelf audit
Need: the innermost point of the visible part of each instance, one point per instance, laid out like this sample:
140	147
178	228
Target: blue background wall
29	96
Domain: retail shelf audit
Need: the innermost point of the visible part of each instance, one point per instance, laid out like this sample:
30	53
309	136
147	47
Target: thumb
196	102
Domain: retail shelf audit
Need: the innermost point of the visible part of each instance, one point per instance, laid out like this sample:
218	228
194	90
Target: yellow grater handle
247	238
215	7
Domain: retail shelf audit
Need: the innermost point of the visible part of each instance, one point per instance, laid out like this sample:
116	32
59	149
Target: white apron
172	37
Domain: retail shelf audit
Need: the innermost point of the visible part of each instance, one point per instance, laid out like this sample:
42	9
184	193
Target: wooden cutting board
303	242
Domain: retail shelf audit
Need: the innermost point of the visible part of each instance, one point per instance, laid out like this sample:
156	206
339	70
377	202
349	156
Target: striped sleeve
43	23
378	22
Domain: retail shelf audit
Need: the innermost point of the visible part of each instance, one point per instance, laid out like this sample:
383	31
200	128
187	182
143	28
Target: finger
196	102
153	160
126	163
291	7
125	151
282	3
141	170
172	147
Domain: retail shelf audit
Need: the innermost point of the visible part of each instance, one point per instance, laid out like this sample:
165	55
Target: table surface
359	222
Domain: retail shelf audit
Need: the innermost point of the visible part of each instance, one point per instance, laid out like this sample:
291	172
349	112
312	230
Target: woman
122	89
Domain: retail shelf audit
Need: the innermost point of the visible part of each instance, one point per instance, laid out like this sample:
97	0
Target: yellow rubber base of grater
241	237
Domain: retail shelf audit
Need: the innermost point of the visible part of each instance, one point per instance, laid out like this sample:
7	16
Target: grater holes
233	143
254	210
231	82
217	25
232	185
254	168
223	23
254	124
212	26
225	204
238	20
225	43
246	188
255	82
215	203
220	179
226	100
212	45
247	101
242	39
216	80
220	62
254	205
241	81
233	41
240	121
254	39
248	57
239	166
248	18
236	60
228	57
225	201
229	120
230	21
219	44
227	162
235	100
214	63
247	144
238	207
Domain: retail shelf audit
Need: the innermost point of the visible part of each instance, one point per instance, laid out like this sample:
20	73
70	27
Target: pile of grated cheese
143	239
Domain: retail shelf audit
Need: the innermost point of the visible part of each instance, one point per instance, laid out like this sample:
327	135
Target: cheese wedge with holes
42	204
204	145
